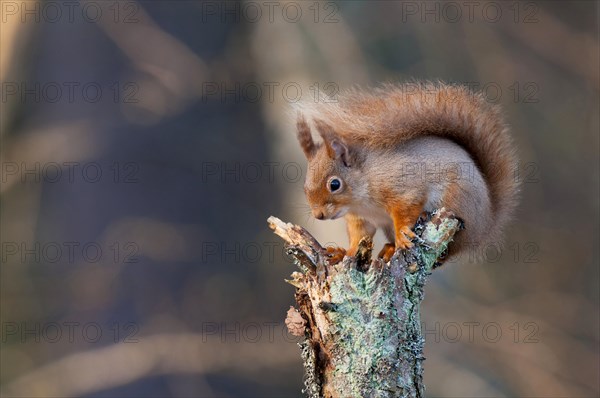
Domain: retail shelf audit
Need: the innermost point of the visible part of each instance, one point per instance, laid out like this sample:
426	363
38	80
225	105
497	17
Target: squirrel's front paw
335	254
403	239
387	252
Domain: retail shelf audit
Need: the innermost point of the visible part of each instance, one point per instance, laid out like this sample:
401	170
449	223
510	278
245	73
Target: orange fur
387	252
357	229
404	215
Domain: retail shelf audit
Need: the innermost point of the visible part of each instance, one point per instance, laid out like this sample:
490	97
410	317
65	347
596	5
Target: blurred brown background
144	144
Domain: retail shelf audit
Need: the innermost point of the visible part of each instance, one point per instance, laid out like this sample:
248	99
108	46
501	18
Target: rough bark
361	318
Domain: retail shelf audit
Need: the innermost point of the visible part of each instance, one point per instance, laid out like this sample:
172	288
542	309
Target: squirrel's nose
319	215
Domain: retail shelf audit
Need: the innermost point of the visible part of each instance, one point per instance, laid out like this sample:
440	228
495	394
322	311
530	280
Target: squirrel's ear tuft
305	137
336	149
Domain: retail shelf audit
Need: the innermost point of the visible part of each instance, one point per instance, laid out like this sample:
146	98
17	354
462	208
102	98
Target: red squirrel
389	154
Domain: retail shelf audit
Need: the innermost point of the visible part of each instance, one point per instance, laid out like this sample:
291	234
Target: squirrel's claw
335	254
387	252
403	239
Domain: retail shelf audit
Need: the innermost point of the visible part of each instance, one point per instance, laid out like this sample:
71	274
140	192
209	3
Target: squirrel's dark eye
334	185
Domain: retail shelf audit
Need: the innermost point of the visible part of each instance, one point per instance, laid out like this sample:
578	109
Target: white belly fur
377	215
374	214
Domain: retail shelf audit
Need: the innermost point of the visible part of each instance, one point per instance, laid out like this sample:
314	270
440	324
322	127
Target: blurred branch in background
90	371
171	73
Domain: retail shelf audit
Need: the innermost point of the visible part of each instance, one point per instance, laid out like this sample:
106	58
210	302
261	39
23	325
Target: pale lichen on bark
363	330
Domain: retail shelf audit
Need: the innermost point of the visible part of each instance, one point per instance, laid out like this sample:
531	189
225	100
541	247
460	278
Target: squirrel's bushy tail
387	116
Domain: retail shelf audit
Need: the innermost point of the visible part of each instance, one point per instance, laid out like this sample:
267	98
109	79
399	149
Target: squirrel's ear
336	149
305	137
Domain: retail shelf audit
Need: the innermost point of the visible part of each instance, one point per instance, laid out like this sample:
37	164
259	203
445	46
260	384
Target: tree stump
360	318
